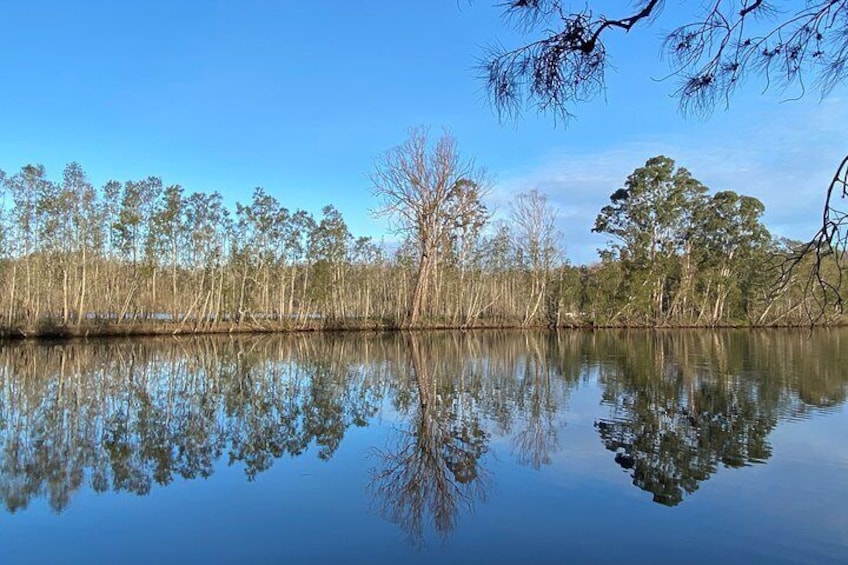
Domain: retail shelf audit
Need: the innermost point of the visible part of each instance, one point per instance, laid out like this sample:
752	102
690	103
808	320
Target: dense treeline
139	256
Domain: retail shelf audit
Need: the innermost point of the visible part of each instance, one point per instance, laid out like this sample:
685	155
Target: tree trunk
418	302
66	311
81	302
12	297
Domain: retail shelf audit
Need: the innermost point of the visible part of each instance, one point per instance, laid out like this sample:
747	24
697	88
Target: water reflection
435	465
682	404
131	415
124	416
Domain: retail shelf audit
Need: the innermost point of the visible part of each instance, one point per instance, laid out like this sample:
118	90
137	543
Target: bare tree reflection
538	406
435	469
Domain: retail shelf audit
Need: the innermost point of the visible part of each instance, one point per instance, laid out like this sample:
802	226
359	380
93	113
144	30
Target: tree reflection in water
435	468
130	415
684	403
539	399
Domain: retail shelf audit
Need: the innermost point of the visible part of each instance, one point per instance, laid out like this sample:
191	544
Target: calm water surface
429	447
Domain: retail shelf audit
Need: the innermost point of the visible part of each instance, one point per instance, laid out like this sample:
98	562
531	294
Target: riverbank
100	329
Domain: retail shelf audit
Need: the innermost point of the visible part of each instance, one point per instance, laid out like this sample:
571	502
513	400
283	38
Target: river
498	447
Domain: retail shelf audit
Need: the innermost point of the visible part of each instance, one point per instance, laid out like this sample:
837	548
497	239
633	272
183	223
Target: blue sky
301	97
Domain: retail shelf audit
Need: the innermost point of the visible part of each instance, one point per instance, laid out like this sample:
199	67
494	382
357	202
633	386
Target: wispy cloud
787	164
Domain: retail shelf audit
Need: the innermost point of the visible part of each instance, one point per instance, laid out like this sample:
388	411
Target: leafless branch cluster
566	66
783	41
431	192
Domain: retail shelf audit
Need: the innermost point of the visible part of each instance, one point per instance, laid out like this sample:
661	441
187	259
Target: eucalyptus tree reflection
528	377
435	469
131	415
279	408
682	404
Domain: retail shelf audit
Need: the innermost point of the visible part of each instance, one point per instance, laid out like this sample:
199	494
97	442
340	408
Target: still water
512	447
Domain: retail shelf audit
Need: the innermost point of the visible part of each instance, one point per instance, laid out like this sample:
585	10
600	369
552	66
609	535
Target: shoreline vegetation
152	329
141	258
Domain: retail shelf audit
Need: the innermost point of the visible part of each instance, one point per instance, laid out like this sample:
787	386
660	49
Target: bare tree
428	191
536	241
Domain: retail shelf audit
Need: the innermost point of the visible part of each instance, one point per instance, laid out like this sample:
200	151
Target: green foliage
685	257
132	226
650	216
27	189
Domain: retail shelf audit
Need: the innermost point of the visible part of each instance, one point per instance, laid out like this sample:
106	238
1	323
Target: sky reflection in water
496	446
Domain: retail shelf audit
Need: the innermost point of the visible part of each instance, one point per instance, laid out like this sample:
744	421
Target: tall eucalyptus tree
649	219
82	233
731	246
168	237
26	187
329	249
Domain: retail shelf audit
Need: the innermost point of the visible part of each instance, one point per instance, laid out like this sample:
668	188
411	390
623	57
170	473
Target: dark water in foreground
431	447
